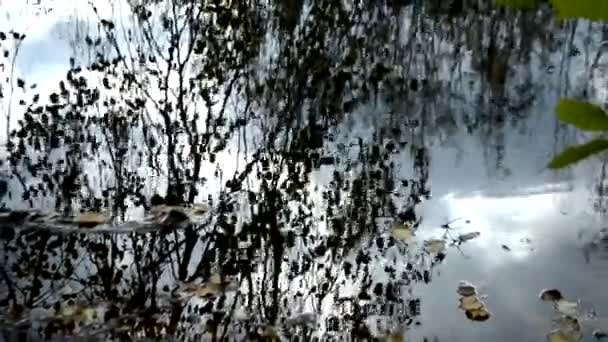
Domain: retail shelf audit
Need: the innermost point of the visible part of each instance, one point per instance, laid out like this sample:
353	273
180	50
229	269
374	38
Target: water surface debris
470	302
550	295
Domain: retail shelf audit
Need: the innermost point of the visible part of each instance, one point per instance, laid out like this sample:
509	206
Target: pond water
426	212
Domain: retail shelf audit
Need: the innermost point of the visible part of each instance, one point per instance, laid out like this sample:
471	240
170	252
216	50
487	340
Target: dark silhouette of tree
163	97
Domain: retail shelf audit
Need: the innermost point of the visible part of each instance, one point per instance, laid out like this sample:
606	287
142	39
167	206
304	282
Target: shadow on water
416	207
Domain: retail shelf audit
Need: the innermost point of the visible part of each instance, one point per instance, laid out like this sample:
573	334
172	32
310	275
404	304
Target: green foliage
581	115
584	116
574	154
587	9
595	10
518	4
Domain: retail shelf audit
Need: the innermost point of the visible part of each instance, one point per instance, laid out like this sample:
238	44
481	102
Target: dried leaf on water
551	295
468	236
479	315
90	220
403	233
562	336
198	210
470	303
395	337
213	286
269	333
177	214
567	323
435	246
79	313
466	289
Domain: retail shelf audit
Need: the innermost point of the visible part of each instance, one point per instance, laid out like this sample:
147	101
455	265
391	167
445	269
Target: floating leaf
479	315
403	233
466	289
269	333
568	323
90	220
395	337
468	236
561	336
213	286
551	295
164	214
435	246
78	313
470	303
576	153
581	115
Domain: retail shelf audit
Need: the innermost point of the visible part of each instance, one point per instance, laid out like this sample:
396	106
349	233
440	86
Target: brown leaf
395	337
470	303
479	315
90	220
468	236
466	289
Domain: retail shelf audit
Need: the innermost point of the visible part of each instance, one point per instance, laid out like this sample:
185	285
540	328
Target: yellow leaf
470	303
435	246
78	313
480	315
213	286
403	233
216	279
269	333
561	336
568	323
90	220
394	338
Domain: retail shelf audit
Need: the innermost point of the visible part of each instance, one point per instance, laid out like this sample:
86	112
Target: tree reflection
297	240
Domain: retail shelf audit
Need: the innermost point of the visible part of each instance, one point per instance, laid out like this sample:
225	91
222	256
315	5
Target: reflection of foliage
518	4
162	100
581	115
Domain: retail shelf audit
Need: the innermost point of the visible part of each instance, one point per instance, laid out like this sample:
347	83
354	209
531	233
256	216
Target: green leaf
518	4
576	153
587	9
582	115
